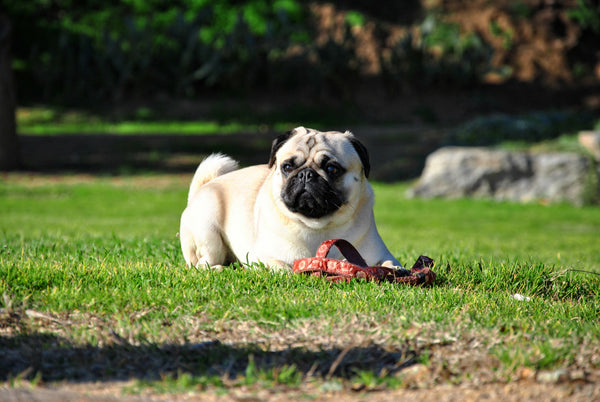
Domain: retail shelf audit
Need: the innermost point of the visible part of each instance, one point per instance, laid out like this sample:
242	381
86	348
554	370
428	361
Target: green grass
99	262
137	127
51	121
563	143
143	128
171	119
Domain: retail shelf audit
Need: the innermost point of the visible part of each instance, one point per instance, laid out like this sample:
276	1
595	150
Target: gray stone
591	141
516	176
553	377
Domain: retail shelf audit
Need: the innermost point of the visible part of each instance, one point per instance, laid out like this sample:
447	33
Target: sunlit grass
144	128
48	121
100	250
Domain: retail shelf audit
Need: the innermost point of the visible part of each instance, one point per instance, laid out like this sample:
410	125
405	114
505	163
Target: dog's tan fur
240	215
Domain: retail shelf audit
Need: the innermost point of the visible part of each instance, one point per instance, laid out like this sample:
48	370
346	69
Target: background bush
531	127
85	51
69	50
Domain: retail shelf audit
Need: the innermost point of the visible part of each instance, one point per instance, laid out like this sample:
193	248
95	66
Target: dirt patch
537	40
42	352
517	392
154	181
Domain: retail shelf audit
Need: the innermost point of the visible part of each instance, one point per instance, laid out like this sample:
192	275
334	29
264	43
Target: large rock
591	141
503	175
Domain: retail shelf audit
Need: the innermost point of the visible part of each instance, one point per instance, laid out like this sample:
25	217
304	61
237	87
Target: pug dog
314	188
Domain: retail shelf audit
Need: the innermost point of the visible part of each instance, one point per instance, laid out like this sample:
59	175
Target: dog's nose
306	175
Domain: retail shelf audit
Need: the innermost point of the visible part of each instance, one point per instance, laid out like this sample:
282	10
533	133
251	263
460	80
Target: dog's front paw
202	264
279	266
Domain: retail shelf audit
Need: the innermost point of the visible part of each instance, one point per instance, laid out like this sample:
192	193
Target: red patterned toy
356	267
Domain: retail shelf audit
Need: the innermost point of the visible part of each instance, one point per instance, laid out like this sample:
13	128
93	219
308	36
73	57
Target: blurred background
135	85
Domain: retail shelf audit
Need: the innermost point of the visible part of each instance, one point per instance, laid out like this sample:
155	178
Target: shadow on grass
396	154
52	358
130	153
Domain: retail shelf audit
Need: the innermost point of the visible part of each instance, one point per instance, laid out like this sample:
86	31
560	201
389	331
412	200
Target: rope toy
355	267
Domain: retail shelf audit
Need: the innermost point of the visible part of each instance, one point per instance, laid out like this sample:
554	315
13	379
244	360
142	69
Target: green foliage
142	47
439	54
529	128
95	51
540	355
587	15
520	9
355	19
506	36
287	375
170	384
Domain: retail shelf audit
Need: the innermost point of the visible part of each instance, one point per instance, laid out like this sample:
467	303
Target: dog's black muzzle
311	195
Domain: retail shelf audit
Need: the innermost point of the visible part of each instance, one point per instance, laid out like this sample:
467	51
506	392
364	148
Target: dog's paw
203	264
278	266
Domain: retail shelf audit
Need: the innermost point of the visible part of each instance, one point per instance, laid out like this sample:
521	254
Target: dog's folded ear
363	154
277	144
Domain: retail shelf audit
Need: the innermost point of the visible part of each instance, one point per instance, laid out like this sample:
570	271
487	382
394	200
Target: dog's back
213	166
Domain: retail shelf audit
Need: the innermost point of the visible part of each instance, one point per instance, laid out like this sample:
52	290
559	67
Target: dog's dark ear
363	154
278	143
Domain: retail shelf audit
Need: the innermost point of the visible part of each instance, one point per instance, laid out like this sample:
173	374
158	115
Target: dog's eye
287	168
333	170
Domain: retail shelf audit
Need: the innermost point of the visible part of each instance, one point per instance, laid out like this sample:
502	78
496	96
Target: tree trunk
10	157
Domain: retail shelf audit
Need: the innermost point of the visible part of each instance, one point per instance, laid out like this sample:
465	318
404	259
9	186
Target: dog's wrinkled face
310	193
318	173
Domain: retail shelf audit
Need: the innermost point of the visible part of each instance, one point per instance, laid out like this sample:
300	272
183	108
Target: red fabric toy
356	267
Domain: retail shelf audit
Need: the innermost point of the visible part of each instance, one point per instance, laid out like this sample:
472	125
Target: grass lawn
95	289
145	121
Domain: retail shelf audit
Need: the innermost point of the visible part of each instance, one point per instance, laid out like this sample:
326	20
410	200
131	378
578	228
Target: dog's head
318	173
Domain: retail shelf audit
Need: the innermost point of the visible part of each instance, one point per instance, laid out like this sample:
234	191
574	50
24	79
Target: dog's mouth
311	195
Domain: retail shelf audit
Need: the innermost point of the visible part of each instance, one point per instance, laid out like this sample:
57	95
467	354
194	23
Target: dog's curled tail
213	166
